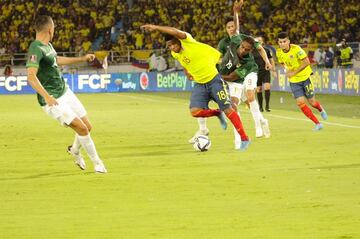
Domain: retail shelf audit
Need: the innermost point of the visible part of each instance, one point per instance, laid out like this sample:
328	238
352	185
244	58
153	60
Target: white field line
271	115
323	122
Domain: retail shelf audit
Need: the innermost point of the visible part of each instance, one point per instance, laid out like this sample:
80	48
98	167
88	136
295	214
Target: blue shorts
216	90
304	88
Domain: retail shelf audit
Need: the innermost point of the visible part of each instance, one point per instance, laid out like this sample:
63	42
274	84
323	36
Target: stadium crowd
85	25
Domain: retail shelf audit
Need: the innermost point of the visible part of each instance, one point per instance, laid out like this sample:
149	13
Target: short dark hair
282	35
249	40
168	37
41	22
171	38
228	19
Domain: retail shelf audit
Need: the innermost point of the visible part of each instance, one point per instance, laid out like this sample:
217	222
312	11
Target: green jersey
223	45
43	57
232	62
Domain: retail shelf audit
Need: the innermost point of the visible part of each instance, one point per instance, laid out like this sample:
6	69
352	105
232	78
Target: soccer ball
202	143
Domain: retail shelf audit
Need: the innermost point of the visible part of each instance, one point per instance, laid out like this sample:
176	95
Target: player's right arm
233	76
36	85
236	9
164	29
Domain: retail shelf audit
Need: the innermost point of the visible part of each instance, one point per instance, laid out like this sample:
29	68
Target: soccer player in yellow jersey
298	70
199	61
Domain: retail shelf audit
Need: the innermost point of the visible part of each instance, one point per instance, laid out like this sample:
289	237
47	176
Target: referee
263	76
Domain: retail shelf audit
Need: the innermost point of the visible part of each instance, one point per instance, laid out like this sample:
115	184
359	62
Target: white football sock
75	148
256	114
88	144
202	124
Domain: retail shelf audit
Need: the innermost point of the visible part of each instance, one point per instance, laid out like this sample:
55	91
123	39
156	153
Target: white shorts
237	91
69	107
250	82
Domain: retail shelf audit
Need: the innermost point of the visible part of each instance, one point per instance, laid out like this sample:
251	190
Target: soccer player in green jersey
54	96
297	67
199	61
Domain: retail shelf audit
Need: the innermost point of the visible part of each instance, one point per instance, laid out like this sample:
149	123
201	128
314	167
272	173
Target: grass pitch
297	184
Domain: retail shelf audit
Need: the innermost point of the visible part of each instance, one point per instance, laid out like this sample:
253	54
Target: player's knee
228	110
194	111
234	106
312	101
250	97
300	103
82	129
89	127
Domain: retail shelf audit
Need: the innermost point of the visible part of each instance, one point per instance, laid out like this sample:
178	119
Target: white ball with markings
202	143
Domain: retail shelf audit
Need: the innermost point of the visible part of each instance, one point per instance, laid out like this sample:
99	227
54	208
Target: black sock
267	98
260	99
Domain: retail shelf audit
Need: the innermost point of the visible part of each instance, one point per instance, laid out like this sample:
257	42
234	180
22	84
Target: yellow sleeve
300	53
188	38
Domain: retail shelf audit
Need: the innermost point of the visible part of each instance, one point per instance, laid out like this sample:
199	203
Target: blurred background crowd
90	25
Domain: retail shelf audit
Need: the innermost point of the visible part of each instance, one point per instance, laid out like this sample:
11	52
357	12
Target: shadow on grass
43	175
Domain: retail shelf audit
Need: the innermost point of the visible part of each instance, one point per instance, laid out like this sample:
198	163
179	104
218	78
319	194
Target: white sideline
271	114
323	122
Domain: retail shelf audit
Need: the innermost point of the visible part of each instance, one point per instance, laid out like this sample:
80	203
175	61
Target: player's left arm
304	63
264	56
61	60
230	77
188	75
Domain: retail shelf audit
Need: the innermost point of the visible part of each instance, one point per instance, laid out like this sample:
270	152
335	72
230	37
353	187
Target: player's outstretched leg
88	144
316	104
203	130
236	121
74	150
197	112
222	120
261	124
308	113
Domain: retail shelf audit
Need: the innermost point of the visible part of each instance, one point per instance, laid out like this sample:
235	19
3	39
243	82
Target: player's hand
148	27
51	101
89	57
289	73
268	66
238	5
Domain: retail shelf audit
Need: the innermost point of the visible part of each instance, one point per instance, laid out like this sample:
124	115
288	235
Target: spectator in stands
328	58
157	62
319	60
8	71
346	54
92	19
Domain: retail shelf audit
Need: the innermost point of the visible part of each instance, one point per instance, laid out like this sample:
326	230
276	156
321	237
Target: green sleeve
34	56
221	47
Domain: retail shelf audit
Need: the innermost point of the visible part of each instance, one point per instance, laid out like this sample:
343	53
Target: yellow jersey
198	59
292	61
